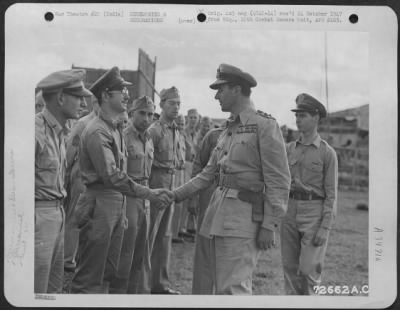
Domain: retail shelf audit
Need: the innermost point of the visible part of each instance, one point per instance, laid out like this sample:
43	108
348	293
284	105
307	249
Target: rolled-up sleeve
99	148
330	187
276	174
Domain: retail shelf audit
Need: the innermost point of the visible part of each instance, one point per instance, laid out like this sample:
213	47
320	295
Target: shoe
191	231
168	291
178	240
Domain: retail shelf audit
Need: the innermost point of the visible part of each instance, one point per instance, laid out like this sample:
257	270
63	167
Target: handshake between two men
162	197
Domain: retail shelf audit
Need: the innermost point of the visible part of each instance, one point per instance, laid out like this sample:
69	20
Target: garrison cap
169	93
192	111
143	102
69	81
307	103
230	74
111	80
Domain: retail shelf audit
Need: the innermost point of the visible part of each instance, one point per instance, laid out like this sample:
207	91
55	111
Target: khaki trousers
302	262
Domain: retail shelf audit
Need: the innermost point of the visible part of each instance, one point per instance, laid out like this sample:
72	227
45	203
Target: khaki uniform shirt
103	157
140	153
314	169
169	152
252	152
50	157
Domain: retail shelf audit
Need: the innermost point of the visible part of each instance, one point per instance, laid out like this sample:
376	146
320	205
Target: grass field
346	262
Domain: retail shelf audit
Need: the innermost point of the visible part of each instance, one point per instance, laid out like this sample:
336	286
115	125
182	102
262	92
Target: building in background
348	132
143	78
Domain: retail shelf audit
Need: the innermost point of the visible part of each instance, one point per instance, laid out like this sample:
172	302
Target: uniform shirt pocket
135	163
313	173
165	151
243	150
47	170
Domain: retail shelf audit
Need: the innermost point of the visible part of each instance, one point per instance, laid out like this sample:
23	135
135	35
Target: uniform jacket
251	151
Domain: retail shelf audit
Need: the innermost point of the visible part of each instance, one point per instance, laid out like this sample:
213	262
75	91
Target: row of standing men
121	185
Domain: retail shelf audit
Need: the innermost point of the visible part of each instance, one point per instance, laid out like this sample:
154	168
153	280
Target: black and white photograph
194	152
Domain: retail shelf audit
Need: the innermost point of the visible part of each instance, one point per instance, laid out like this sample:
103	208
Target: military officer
312	200
134	268
63	93
100	211
253	185
168	156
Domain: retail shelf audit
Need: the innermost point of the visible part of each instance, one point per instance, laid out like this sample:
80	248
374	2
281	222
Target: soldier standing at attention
168	156
63	93
134	268
100	210
312	200
253	185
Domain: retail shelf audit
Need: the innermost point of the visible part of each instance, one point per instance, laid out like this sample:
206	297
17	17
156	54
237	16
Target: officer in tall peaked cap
231	74
69	81
111	80
307	103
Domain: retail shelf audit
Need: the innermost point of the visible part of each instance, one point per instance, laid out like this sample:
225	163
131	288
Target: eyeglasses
123	91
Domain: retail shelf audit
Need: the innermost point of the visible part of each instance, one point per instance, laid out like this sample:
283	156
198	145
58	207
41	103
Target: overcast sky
285	63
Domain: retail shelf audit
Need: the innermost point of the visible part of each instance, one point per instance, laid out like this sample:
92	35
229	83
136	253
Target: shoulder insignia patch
265	115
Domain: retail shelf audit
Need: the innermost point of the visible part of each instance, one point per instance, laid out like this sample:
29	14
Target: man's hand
320	237
265	239
161	197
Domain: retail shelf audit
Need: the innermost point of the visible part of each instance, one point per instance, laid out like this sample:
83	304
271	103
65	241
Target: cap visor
218	83
299	110
81	93
126	83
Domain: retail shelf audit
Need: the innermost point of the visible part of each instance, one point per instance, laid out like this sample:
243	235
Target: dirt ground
346	262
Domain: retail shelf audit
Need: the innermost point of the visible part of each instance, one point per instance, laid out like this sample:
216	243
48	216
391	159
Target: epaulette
265	115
